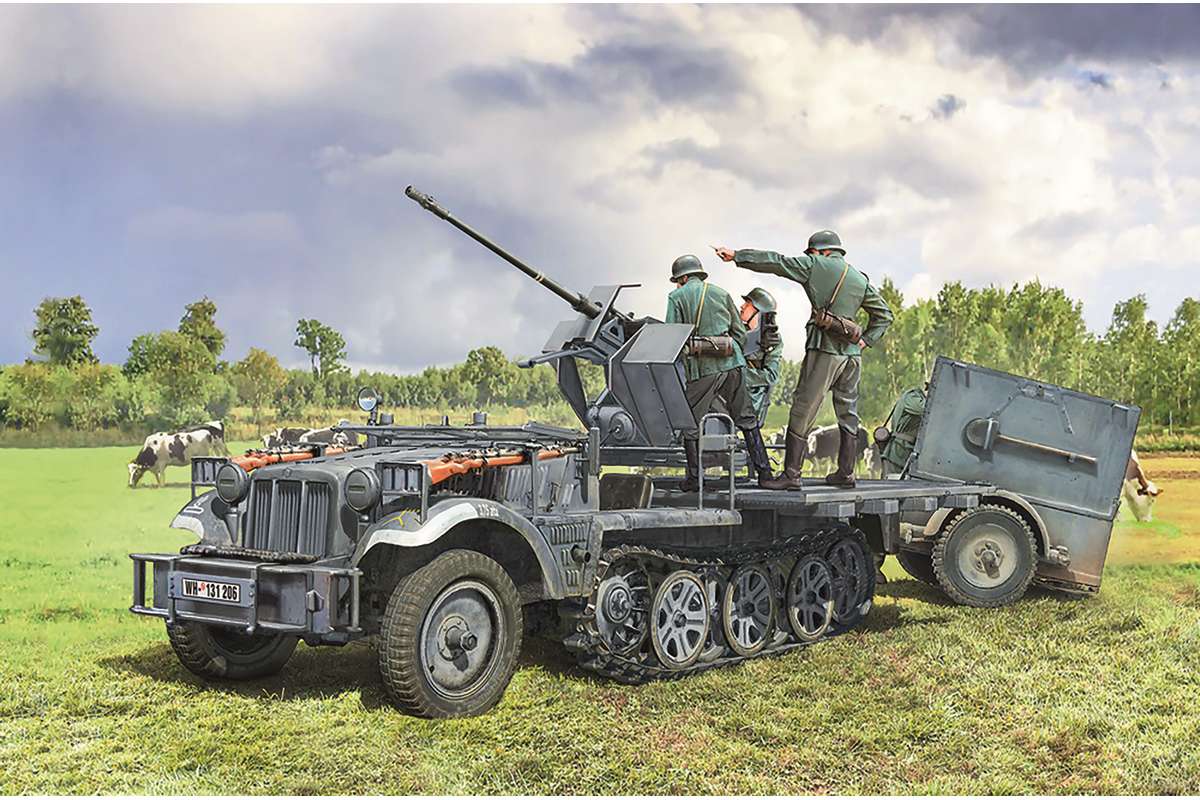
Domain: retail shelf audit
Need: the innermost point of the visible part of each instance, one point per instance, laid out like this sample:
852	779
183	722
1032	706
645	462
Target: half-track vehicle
450	543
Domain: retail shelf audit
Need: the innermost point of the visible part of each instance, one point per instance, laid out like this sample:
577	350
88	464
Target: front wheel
450	636
986	558
213	651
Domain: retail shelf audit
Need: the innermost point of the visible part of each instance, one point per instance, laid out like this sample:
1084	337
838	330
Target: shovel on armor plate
985	434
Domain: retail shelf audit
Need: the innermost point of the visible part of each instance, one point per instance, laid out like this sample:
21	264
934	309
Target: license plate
217	591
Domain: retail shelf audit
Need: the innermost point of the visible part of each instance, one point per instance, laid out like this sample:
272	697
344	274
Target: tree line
1039	332
178	377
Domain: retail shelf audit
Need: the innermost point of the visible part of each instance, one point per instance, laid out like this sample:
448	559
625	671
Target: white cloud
273	228
581	137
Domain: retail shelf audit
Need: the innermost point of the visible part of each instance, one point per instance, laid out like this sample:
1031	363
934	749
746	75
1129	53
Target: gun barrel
578	302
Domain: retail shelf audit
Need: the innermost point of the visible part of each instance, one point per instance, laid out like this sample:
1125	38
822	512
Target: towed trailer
1057	458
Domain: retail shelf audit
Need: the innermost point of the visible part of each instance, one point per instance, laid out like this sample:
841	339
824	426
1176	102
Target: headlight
362	490
367	399
232	483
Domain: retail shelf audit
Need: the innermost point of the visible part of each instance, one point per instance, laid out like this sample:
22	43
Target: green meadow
1053	695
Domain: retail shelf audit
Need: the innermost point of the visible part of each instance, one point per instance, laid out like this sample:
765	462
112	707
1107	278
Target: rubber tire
860	611
204	654
945	563
400	636
918	565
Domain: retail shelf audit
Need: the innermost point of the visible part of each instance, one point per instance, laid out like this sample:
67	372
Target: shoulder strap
838	288
700	308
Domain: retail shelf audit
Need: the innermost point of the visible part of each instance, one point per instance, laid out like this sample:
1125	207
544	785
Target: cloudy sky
150	155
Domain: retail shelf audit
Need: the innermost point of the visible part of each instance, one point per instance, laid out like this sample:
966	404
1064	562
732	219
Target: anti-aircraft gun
643	402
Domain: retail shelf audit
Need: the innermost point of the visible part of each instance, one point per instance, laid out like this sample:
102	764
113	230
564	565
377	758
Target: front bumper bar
302	599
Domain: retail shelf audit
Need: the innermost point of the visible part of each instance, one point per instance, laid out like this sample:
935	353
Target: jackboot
691	480
756	454
793	464
844	475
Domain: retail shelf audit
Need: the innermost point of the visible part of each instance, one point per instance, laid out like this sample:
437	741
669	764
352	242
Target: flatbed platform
817	499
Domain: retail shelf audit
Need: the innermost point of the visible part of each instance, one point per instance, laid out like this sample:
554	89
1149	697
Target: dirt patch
1175	475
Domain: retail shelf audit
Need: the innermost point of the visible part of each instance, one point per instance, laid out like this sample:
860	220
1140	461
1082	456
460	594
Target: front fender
204	520
404	529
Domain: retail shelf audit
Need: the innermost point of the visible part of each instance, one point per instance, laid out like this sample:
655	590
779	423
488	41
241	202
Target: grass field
1052	695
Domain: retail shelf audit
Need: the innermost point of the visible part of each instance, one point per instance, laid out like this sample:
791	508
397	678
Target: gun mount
644	402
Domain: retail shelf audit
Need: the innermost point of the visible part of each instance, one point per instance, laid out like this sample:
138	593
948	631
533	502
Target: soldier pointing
833	349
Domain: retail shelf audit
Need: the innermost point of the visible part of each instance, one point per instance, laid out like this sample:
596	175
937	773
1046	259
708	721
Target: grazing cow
162	450
823	446
283	437
287	437
1138	490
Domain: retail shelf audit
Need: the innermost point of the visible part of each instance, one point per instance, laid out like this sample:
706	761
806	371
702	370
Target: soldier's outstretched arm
879	314
797	268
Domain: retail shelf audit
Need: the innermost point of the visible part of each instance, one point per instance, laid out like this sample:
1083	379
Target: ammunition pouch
847	330
710	346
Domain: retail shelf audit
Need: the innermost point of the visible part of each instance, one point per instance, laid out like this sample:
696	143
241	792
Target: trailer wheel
450	636
986	558
214	651
918	565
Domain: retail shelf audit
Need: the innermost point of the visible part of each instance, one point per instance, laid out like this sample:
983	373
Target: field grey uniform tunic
710	377
829	363
762	371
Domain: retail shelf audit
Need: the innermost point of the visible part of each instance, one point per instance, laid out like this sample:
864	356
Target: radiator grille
288	516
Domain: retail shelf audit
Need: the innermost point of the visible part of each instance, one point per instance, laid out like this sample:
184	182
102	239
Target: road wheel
748	609
986	557
214	651
918	565
680	620
450	636
850	563
810	598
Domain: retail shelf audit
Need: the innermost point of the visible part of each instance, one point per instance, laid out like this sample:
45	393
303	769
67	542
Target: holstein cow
162	450
282	437
1138	490
823	446
286	437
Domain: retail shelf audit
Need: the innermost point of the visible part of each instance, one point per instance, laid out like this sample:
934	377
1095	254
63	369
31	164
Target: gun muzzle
426	202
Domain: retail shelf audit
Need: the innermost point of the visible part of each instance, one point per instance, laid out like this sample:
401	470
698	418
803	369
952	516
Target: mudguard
207	523
406	529
934	525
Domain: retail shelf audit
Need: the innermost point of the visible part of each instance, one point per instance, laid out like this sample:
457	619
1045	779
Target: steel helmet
687	265
761	299
826	240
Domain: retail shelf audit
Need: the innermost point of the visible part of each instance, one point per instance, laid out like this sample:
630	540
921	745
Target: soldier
833	350
763	361
714	363
898	435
